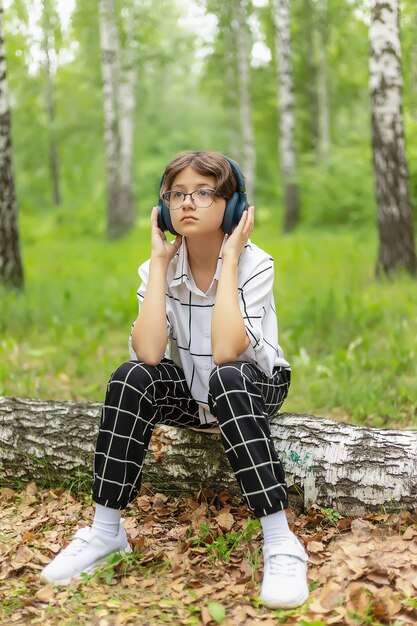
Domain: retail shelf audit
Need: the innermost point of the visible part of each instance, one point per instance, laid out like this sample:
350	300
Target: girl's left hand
239	237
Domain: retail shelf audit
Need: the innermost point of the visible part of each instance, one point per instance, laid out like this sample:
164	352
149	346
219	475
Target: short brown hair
205	163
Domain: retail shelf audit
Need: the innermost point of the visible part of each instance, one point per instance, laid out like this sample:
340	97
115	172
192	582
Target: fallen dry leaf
410	533
174	573
21	558
46	593
225	521
385	604
206	617
315	546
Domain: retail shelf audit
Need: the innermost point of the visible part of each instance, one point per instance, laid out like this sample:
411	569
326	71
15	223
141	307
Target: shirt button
207	366
206	334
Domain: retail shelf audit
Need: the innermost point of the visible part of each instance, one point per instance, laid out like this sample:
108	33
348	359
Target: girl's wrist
231	257
159	262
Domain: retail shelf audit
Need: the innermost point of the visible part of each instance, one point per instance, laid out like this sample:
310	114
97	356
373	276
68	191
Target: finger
177	241
243	220
249	222
154	218
251	214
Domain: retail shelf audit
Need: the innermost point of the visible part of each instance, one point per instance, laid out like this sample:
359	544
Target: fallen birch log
349	468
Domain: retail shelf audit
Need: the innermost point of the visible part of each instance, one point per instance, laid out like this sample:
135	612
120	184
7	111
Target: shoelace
283	565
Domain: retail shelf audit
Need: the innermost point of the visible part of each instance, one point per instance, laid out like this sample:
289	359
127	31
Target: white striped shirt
189	312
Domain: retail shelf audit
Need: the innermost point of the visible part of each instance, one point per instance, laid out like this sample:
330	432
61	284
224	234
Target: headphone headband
241	185
240	180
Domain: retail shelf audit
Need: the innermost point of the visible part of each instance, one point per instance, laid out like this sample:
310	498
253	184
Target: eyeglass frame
191	196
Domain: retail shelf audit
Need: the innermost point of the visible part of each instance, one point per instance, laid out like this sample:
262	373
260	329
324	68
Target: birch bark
395	225
110	72
126	99
286	113
11	271
232	109
118	103
349	468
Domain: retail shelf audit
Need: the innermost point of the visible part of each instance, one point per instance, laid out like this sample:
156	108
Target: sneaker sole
88	570
270	604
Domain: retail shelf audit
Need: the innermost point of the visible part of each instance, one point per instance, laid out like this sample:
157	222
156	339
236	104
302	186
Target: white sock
275	527
106	521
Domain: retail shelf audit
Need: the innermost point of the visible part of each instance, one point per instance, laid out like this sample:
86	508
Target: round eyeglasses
201	198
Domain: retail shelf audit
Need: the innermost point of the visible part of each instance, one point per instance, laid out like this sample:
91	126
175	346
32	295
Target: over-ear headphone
232	213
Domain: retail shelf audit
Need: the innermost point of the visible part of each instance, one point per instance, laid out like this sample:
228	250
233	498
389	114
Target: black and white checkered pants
241	397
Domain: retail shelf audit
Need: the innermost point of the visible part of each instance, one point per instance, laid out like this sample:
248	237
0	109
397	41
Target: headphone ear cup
234	211
164	218
229	214
161	221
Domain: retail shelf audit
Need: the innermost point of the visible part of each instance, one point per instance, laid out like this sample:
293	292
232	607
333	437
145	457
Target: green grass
223	546
350	339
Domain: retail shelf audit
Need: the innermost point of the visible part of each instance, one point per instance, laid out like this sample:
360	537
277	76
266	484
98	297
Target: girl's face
190	220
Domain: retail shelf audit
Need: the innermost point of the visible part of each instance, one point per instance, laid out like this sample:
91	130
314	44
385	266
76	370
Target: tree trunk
232	109
323	90
287	118
119	102
50	107
395	225
249	152
349	468
11	271
110	71
126	99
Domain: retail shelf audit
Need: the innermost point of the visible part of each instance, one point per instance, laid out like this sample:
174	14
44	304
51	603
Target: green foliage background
351	340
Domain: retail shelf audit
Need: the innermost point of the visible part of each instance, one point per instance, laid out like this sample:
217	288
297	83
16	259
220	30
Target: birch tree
126	100
395	225
232	104
118	103
352	469
286	112
248	137
11	271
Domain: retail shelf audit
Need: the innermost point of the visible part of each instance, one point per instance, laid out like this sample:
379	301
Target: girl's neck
203	252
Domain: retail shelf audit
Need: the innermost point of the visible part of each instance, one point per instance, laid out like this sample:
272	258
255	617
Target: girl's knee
122	371
133	368
130	394
134	372
225	377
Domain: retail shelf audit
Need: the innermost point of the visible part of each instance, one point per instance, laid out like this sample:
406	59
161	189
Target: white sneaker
284	584
86	552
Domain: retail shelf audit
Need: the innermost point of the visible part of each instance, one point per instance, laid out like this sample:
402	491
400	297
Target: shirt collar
183	272
219	260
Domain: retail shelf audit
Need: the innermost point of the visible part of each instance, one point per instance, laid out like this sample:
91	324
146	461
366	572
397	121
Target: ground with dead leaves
197	561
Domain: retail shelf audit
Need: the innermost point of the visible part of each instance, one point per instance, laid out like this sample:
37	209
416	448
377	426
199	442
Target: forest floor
196	560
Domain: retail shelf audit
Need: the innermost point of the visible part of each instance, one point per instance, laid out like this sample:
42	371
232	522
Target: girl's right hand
161	247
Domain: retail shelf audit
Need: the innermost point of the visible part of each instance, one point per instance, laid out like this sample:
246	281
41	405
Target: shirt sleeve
256	300
143	272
